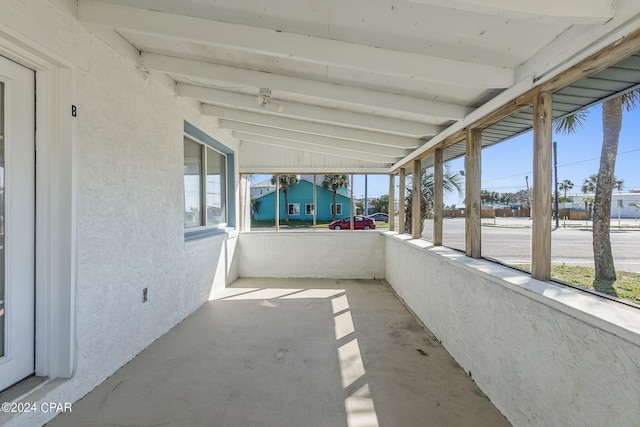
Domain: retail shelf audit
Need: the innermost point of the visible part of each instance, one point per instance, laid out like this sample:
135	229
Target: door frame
55	228
19	219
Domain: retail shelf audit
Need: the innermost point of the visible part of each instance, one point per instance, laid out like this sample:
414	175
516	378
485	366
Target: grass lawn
293	223
627	286
302	224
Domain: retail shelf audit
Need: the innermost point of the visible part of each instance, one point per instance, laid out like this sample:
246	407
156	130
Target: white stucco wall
321	254
543	354
128	204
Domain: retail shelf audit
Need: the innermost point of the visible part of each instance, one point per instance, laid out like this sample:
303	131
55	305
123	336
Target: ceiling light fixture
264	100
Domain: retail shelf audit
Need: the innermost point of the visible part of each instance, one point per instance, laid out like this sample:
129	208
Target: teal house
300	198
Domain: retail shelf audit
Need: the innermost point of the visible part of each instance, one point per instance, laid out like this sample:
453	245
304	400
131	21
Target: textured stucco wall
321	254
128	204
541	359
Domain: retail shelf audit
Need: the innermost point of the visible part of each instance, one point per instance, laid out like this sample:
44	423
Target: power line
562	165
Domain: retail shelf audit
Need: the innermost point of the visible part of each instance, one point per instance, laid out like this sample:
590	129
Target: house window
192	183
207	174
216	188
205	193
294	208
309	209
621	203
338	210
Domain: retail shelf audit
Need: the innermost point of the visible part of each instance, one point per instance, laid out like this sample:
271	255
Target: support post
438	195
541	229
555	183
366	195
401	206
392	205
242	204
245	202
472	188
352	207
415	200
315	201
277	202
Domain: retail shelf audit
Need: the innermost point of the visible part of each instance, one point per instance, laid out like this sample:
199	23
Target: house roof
310	181
365	85
265	183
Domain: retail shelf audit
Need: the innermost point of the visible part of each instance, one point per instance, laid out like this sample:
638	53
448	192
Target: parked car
379	216
359	223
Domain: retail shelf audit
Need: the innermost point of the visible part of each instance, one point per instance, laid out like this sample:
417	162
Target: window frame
192	233
307	210
296	212
338	208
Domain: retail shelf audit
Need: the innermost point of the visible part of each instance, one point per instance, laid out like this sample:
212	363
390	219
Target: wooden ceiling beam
310	127
308	112
242	130
354	99
313	148
610	55
621	49
543	11
316	50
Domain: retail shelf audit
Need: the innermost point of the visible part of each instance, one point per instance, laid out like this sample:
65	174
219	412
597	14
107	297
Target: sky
505	165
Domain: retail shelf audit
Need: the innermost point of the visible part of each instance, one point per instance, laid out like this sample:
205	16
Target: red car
359	223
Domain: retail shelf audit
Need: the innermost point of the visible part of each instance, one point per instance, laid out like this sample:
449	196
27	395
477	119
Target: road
511	242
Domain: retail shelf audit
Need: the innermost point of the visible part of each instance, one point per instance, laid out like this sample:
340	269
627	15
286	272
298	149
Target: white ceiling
364	80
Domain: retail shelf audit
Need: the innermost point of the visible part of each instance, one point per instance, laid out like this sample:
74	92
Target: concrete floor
274	352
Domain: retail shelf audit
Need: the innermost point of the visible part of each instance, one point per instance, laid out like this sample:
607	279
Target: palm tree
285	181
333	183
565	186
590	185
588	206
452	181
507	198
255	206
611	126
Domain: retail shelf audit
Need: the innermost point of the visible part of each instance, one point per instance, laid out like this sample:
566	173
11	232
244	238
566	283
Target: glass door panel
17	222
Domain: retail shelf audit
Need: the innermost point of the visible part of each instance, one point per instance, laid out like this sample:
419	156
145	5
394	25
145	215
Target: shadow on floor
273	352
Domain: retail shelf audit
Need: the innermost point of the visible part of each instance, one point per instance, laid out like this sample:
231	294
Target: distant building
300	206
262	188
626	205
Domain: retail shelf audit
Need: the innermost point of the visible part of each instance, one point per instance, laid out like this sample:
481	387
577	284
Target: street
510	242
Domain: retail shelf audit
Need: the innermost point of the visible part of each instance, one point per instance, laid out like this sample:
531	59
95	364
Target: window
208	172
216	188
338	209
192	184
294	208
204	193
309	209
621	203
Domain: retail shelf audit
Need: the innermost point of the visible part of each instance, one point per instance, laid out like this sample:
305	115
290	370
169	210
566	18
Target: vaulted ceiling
311	85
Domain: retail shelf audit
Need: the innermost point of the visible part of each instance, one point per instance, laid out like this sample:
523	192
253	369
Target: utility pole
366	197
526	178
555	172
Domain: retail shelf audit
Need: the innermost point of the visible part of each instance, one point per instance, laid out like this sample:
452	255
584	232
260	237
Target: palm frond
631	100
572	123
333	182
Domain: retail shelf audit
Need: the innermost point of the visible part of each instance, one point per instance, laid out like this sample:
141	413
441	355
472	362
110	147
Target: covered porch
292	352
152	302
344	343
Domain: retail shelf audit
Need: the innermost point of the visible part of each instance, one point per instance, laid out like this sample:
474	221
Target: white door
17	234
